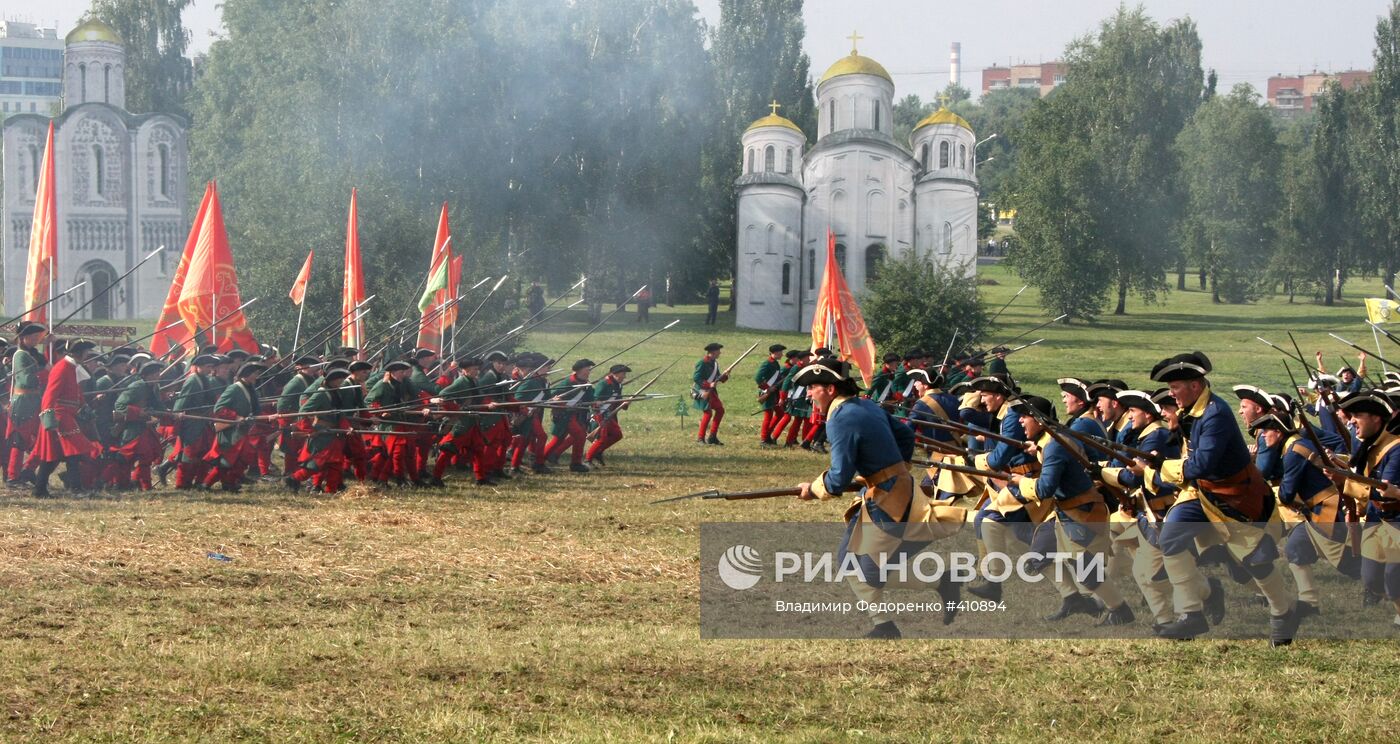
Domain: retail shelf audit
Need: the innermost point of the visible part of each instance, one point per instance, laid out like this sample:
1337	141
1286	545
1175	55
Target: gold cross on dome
943	99
854	37
774	106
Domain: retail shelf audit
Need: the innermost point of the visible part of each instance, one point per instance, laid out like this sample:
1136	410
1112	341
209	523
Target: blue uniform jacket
1301	481
1159	441
1003	456
1061	476
1269	460
864	439
1217	449
921	414
1090	426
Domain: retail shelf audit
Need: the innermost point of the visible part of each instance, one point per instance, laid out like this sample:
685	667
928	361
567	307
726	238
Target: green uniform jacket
193	398
882	382
290	399
606	389
138	394
240	399
388	394
578	397
706	374
26	385
327	404
421	383
767	381
462	390
798	404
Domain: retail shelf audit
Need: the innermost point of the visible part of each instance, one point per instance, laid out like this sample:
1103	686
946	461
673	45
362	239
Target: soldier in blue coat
1003	517
1378	457
1232	498
889	516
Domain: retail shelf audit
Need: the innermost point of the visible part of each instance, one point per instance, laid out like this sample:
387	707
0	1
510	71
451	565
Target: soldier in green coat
233	452
769	374
29	373
570	420
293	430
134	423
194	437
704	390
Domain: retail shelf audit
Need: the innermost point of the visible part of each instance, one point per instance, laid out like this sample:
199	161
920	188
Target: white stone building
120	185
878	196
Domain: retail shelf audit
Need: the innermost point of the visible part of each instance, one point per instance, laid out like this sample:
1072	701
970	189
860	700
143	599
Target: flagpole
1377	337
301	309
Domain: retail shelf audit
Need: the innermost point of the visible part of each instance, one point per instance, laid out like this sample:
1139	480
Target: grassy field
564	608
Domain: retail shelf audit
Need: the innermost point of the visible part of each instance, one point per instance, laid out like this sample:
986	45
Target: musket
1007	353
464	325
1393	338
948	352
948	448
1361	349
526	323
639	343
325	332
42	305
1018	337
735	363
98	295
1008	304
1112	449
1352	475
1301	416
591	331
612	413
996	474
966	430
734	495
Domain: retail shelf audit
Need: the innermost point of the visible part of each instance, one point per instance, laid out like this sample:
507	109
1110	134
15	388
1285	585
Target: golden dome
943	116
773	120
93	30
855	64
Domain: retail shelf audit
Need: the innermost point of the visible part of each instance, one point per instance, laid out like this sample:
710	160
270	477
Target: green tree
1375	149
1000	113
917	302
757	57
1230	164
908	112
158	72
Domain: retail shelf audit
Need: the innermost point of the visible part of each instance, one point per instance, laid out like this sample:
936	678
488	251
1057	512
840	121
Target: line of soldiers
1157	484
124	420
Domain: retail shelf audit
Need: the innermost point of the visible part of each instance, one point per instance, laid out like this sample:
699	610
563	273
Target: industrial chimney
954	65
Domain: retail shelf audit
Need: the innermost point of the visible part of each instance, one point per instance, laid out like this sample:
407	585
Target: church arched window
787	162
962	157
947	246
107	84
82	82
944	154
98	170
811	269
769	156
831	122
841	257
923	155
768	244
875	113
787	278
751	156
163	156
874	259
34	164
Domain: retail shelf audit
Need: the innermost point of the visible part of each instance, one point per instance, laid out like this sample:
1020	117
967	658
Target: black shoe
1120	615
598	458
41	491
578	467
436	482
807	446
767	443
714	440
885	631
1238	573
1306	610
500	475
541	469
950	592
1215	601
1283	627
1185	627
484	482
988	590
789	445
1370	598
1074	604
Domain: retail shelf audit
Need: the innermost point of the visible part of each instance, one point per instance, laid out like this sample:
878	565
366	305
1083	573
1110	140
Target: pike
1393	338
197	329
734	495
1008	304
43	304
949	351
98	295
467	323
592	330
735	363
291	356
668	326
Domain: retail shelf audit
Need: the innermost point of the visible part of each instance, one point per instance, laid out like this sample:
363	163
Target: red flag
430	331
43	241
210	289
170	311
454	288
298	293
838	314
353	293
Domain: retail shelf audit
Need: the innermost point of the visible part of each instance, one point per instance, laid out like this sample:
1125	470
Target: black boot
1283	627
1120	615
988	590
714	440
950	592
41	480
1185	627
885	631
1215	601
1306	610
1074	604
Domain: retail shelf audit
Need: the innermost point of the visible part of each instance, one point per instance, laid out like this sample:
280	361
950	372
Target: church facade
120	185
879	197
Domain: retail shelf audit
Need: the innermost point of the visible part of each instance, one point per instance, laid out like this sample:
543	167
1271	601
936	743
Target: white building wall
770	223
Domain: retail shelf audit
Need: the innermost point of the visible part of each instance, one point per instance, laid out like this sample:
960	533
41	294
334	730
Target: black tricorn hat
890	358
397	366
468	362
1271	423
998	384
775	348
360	367
306	361
1191	366
152	368
583	364
1139	399
616	368
205	360
337	374
496	355
1255	395
1105	388
1368	401
823	371
251	368
1164	397
932	379
29	329
1021	407
715	346
1076	387
424	353
82	350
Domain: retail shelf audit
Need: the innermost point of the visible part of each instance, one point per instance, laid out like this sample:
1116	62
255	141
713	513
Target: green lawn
564	608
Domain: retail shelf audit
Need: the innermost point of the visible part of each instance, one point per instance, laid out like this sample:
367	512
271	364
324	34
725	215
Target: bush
916	302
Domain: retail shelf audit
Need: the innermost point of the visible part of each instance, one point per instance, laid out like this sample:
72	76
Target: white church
879	197
120	186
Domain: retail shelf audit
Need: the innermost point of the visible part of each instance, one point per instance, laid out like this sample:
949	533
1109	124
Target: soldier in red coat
61	439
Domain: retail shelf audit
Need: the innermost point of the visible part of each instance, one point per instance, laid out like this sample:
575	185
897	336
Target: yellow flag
1380	310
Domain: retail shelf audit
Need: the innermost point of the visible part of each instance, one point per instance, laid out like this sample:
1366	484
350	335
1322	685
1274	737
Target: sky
1246	41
